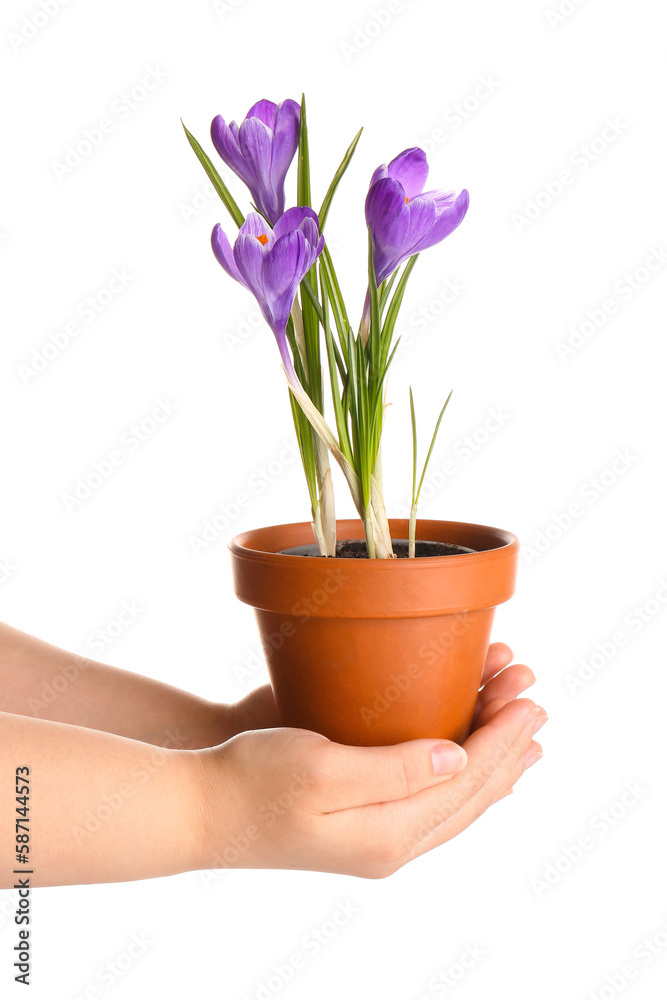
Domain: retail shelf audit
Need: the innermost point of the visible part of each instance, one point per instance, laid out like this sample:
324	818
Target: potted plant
374	630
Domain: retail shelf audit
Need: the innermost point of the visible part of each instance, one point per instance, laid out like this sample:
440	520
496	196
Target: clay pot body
371	652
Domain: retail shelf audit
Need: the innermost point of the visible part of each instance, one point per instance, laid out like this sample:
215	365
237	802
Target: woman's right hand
290	798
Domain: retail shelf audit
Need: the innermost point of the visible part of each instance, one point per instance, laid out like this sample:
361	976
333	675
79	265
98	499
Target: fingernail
532	716
541	719
533	759
448	758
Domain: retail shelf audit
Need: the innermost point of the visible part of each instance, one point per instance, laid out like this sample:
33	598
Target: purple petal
292	219
249	258
255	145
422	216
410	169
255	142
386	213
311	231
378	175
441	198
448	218
265	111
284	267
225	255
389	219
255	225
285	141
285	355
227	146
260	150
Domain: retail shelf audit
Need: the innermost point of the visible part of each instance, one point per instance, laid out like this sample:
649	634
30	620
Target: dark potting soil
355	548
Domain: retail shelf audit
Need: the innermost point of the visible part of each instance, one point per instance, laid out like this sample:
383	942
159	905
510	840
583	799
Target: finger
507	684
362	776
488	711
534	750
503	795
504	687
531	757
257	710
494	752
498	657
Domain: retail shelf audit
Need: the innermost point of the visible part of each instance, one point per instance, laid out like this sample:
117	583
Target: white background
505	97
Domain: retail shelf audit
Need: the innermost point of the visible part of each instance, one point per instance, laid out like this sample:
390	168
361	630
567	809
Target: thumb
358	776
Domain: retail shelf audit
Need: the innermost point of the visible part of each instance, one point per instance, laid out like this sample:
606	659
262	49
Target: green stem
413	529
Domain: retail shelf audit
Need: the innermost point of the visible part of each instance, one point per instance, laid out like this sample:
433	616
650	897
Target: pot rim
241	544
374	588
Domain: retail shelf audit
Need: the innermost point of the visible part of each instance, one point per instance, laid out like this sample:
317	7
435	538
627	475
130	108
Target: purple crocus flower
260	150
403	218
271	263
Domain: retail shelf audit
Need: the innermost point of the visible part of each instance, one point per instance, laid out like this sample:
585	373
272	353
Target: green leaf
383	373
296	354
366	461
414	444
326	297
375	430
303	160
326	434
385	369
352	400
373	354
435	434
375	331
385	289
395	305
328	198
311	334
215	179
339	410
310	306
336	300
312	295
304	436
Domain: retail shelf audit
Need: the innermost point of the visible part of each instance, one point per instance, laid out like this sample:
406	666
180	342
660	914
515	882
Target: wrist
207	724
215	808
191	782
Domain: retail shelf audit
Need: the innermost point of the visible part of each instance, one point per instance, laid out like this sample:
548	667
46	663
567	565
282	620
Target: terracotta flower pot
375	651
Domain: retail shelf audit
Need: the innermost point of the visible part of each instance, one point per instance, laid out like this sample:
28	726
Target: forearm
42	681
101	808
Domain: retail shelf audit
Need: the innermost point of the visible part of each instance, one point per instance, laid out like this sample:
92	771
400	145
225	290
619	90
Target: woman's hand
266	798
290	798
500	683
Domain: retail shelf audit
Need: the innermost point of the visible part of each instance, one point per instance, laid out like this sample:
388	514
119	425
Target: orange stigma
265	239
406	199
